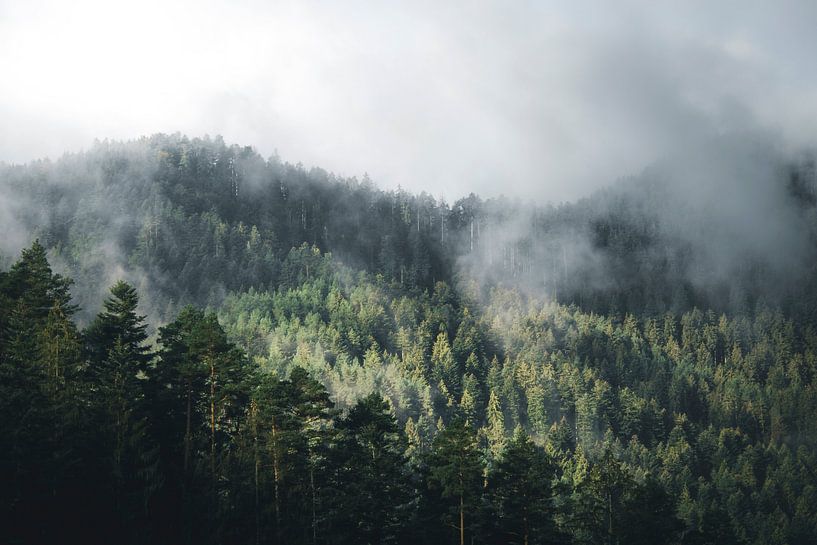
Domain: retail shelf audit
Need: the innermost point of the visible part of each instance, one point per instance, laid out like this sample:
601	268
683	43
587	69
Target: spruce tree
521	494
456	469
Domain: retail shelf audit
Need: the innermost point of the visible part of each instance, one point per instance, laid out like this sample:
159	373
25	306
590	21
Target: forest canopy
198	345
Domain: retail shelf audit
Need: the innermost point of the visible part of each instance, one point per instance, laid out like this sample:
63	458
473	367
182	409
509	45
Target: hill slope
190	220
381	367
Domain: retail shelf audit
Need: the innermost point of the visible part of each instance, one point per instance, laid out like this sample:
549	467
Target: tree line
111	437
192	219
328	362
107	438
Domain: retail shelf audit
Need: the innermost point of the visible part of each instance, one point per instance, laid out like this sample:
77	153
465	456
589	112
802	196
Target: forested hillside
190	220
322	361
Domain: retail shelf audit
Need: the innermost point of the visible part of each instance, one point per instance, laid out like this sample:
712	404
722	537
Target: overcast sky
543	99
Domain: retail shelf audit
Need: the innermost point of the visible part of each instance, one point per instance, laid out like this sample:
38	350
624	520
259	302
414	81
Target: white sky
540	99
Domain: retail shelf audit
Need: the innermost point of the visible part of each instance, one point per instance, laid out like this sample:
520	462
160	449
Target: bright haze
541	99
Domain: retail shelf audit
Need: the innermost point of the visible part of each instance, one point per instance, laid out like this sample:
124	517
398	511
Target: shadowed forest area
199	345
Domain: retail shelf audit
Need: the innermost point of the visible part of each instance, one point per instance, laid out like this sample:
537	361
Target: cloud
549	100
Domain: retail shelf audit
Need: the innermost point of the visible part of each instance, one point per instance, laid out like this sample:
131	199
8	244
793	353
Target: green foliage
345	387
521	495
456	469
375	496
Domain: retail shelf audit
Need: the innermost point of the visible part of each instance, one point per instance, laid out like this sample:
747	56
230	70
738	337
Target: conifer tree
456	468
377	493
521	494
117	365
495	430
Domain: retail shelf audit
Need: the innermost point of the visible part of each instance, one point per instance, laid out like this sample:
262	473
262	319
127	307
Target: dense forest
198	345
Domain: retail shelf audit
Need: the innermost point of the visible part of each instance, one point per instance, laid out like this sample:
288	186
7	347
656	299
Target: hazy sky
547	99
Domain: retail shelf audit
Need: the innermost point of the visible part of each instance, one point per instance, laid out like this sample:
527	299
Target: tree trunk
187	430
212	423
462	521
314	520
276	472
254	414
187	440
610	517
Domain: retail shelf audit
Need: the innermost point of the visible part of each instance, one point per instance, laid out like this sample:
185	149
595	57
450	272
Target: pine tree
469	406
444	367
31	292
495	431
117	365
315	411
521	494
376	493
200	397
456	468
598	502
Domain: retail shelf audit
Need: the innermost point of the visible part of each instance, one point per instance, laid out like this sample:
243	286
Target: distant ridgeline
193	219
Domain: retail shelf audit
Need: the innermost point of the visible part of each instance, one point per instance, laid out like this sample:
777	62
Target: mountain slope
381	367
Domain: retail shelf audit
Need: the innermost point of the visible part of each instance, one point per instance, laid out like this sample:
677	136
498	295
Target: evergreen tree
117	365
521	494
201	387
495	430
456	468
376	495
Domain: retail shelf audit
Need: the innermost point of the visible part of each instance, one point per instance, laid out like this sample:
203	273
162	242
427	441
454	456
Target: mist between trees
362	365
724	226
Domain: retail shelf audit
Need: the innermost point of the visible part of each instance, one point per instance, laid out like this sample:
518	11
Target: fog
703	109
546	100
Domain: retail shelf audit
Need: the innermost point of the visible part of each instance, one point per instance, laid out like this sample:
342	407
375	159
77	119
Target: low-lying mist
726	224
